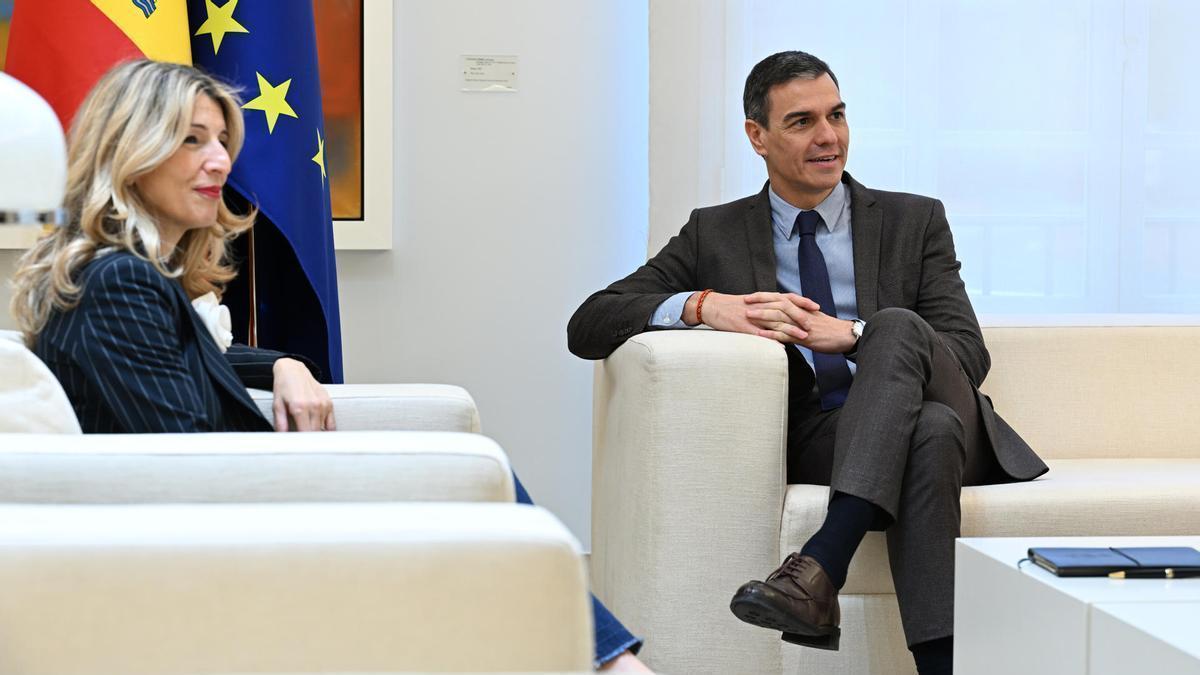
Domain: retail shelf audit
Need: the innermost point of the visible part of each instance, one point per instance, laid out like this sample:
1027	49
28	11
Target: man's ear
755	132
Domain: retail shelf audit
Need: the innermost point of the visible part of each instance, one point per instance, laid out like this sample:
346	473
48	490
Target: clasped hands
785	317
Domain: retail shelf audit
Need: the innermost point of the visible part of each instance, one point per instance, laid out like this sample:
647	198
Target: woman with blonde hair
106	300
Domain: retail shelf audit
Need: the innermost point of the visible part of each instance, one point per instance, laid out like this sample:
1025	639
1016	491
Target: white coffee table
1027	621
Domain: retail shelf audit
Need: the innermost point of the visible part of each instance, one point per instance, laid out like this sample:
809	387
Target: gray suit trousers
909	436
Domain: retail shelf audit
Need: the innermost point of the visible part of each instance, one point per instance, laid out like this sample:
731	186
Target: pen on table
1168	573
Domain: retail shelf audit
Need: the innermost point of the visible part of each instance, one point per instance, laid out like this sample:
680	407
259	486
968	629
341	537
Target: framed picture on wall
354	44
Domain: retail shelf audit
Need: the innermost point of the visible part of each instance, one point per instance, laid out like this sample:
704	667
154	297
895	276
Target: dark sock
846	523
935	657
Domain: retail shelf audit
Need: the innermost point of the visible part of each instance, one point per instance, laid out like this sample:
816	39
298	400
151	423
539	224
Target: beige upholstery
687	492
268	588
1089	392
688	483
412	407
358	466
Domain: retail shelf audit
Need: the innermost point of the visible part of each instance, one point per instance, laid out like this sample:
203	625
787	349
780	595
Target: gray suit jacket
903	257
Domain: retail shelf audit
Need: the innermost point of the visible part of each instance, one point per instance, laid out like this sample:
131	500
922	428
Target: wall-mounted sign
489	73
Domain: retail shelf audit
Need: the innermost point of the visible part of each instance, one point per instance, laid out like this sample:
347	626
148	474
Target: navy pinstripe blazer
134	357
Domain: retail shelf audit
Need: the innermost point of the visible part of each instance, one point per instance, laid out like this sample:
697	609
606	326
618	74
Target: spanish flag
61	48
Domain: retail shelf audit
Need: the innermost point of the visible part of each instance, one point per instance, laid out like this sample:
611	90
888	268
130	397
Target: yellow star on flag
219	22
319	158
272	100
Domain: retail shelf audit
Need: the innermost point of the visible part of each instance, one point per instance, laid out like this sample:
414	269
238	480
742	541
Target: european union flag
269	51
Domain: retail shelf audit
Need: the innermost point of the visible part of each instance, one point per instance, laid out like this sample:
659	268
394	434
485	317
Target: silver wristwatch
857	328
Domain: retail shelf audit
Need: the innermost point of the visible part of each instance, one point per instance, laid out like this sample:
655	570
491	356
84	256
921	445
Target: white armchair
689	480
304	588
244	552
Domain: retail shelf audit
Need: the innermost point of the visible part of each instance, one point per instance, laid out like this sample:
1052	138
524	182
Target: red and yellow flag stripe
61	48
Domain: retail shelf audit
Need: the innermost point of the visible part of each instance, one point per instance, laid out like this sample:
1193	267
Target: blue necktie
833	373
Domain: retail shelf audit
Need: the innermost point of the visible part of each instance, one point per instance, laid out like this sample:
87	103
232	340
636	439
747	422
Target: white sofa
689	480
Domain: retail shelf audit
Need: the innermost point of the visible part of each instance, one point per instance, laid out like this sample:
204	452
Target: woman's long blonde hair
134	119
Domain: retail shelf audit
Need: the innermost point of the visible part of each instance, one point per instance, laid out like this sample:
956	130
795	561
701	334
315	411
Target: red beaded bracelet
700	306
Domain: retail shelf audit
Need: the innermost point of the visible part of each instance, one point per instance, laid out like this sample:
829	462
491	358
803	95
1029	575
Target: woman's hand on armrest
301	403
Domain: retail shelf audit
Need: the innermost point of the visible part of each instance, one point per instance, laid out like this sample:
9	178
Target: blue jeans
612	638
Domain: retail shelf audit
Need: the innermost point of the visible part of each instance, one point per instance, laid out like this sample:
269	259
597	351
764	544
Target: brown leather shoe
798	599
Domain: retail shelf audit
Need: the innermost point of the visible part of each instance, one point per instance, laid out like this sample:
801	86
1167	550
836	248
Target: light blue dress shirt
837	247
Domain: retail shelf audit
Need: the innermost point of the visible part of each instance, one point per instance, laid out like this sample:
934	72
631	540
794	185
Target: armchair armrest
346	466
394	407
688	479
224	588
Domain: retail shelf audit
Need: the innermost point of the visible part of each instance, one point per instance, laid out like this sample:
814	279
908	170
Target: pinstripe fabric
133	356
253	365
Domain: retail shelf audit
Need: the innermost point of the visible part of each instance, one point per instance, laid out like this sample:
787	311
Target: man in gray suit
884	351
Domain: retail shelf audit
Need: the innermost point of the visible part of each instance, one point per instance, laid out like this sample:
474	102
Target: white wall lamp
33	157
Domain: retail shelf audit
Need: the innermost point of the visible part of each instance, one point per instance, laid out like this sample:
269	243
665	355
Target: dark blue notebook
1098	562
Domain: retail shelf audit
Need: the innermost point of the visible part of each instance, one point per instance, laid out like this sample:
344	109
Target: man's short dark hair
778	69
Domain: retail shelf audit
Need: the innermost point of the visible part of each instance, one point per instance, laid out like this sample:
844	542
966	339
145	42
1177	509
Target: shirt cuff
670	313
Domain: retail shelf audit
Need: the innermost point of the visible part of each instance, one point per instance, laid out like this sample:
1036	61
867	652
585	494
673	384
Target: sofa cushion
31	400
1084	497
1098	391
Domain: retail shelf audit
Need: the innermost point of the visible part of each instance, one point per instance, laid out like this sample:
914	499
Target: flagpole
252	326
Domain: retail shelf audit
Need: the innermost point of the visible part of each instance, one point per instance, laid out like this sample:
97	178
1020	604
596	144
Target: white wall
509	210
687	112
